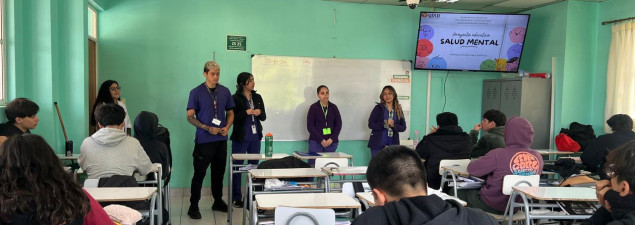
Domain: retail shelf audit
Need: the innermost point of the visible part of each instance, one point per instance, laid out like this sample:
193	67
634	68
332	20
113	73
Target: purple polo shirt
201	101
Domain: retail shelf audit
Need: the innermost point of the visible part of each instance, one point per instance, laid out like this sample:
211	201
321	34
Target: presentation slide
479	42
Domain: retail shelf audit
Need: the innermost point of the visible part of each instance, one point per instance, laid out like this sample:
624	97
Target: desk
72	158
304	200
121	194
583	194
343	172
368	197
238	169
327	155
455	171
279	173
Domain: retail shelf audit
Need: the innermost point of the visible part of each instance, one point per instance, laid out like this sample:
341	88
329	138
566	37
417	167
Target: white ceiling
493	6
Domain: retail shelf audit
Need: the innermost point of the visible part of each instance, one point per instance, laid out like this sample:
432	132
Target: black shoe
194	213
238	204
220	206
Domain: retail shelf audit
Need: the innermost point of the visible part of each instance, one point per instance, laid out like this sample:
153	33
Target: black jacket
595	153
429	210
146	128
240	115
603	216
449	142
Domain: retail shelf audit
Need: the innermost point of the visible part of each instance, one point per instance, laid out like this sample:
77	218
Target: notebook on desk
307	153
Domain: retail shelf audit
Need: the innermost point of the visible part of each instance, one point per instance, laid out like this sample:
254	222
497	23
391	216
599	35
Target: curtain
620	74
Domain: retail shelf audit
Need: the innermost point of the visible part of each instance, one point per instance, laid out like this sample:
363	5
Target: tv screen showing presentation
470	41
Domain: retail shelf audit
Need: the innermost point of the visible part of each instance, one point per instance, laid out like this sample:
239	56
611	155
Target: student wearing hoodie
594	155
448	141
146	127
616	193
516	158
109	151
493	124
398	180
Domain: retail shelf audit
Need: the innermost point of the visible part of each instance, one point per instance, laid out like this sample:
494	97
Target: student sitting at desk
594	155
398	180
34	189
516	158
616	194
109	151
146	127
493	124
21	117
448	141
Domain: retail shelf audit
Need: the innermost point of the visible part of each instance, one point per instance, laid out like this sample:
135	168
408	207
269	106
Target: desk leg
456	193
327	184
230	187
249	192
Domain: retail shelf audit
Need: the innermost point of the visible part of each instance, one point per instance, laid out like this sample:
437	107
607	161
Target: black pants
214	153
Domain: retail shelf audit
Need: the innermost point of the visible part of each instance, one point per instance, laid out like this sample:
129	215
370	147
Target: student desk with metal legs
343	172
303	200
280	173
580	194
127	194
240	169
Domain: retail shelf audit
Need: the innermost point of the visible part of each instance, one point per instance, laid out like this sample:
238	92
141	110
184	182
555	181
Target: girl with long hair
109	92
386	121
35	189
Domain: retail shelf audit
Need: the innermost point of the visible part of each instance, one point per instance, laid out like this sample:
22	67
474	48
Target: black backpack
163	135
583	134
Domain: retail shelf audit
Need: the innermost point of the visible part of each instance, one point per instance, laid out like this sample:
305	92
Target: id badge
216	122
326	131
253	129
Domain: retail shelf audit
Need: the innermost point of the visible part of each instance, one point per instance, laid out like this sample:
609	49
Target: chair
407	143
304	216
330	162
161	190
510	181
443	173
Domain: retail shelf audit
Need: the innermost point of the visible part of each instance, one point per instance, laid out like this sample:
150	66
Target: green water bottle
268	145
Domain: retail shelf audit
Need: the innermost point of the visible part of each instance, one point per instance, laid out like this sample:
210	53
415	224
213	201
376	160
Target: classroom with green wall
155	50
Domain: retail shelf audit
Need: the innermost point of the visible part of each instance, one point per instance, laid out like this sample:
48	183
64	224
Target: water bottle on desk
268	145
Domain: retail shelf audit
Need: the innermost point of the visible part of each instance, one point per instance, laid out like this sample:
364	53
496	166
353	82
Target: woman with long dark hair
249	111
35	189
386	121
109	92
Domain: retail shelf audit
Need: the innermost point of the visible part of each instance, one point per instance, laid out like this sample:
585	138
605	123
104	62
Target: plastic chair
510	181
443	173
304	216
330	162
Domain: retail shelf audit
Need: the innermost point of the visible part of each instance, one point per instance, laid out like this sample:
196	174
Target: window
92	23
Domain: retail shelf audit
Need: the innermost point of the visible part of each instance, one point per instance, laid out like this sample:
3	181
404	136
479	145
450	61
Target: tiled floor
180	205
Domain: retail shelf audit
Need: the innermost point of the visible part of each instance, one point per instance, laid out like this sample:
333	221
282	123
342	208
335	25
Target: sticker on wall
404	79
236	42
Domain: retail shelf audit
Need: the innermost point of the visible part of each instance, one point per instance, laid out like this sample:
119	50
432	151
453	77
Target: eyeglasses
610	171
114	88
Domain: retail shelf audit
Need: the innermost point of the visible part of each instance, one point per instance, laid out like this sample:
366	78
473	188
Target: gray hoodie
111	152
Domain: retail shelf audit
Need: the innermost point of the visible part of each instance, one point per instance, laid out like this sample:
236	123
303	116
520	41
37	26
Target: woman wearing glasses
109	92
386	121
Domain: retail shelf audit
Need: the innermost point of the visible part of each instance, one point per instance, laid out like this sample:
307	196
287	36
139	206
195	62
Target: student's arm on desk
483	165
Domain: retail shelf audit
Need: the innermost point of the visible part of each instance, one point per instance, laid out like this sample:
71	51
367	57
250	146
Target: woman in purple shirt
386	121
324	123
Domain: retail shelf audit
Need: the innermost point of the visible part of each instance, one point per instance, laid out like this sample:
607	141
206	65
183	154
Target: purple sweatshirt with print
516	158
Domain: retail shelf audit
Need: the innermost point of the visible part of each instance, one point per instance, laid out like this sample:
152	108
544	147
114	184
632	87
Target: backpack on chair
163	135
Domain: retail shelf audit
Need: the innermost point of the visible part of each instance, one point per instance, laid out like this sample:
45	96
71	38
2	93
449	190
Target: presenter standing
324	123
386	121
249	111
109	92
212	104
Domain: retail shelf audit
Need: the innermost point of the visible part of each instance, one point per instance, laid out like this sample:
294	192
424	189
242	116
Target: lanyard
214	100
325	111
251	106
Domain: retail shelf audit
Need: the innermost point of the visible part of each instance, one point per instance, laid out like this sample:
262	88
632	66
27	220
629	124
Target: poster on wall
474	42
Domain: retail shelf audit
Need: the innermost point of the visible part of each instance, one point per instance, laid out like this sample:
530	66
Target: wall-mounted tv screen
470	41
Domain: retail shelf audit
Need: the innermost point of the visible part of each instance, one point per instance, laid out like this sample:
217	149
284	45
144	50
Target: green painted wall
156	49
46	62
609	10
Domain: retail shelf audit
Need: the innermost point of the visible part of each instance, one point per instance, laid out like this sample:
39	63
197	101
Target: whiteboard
288	86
